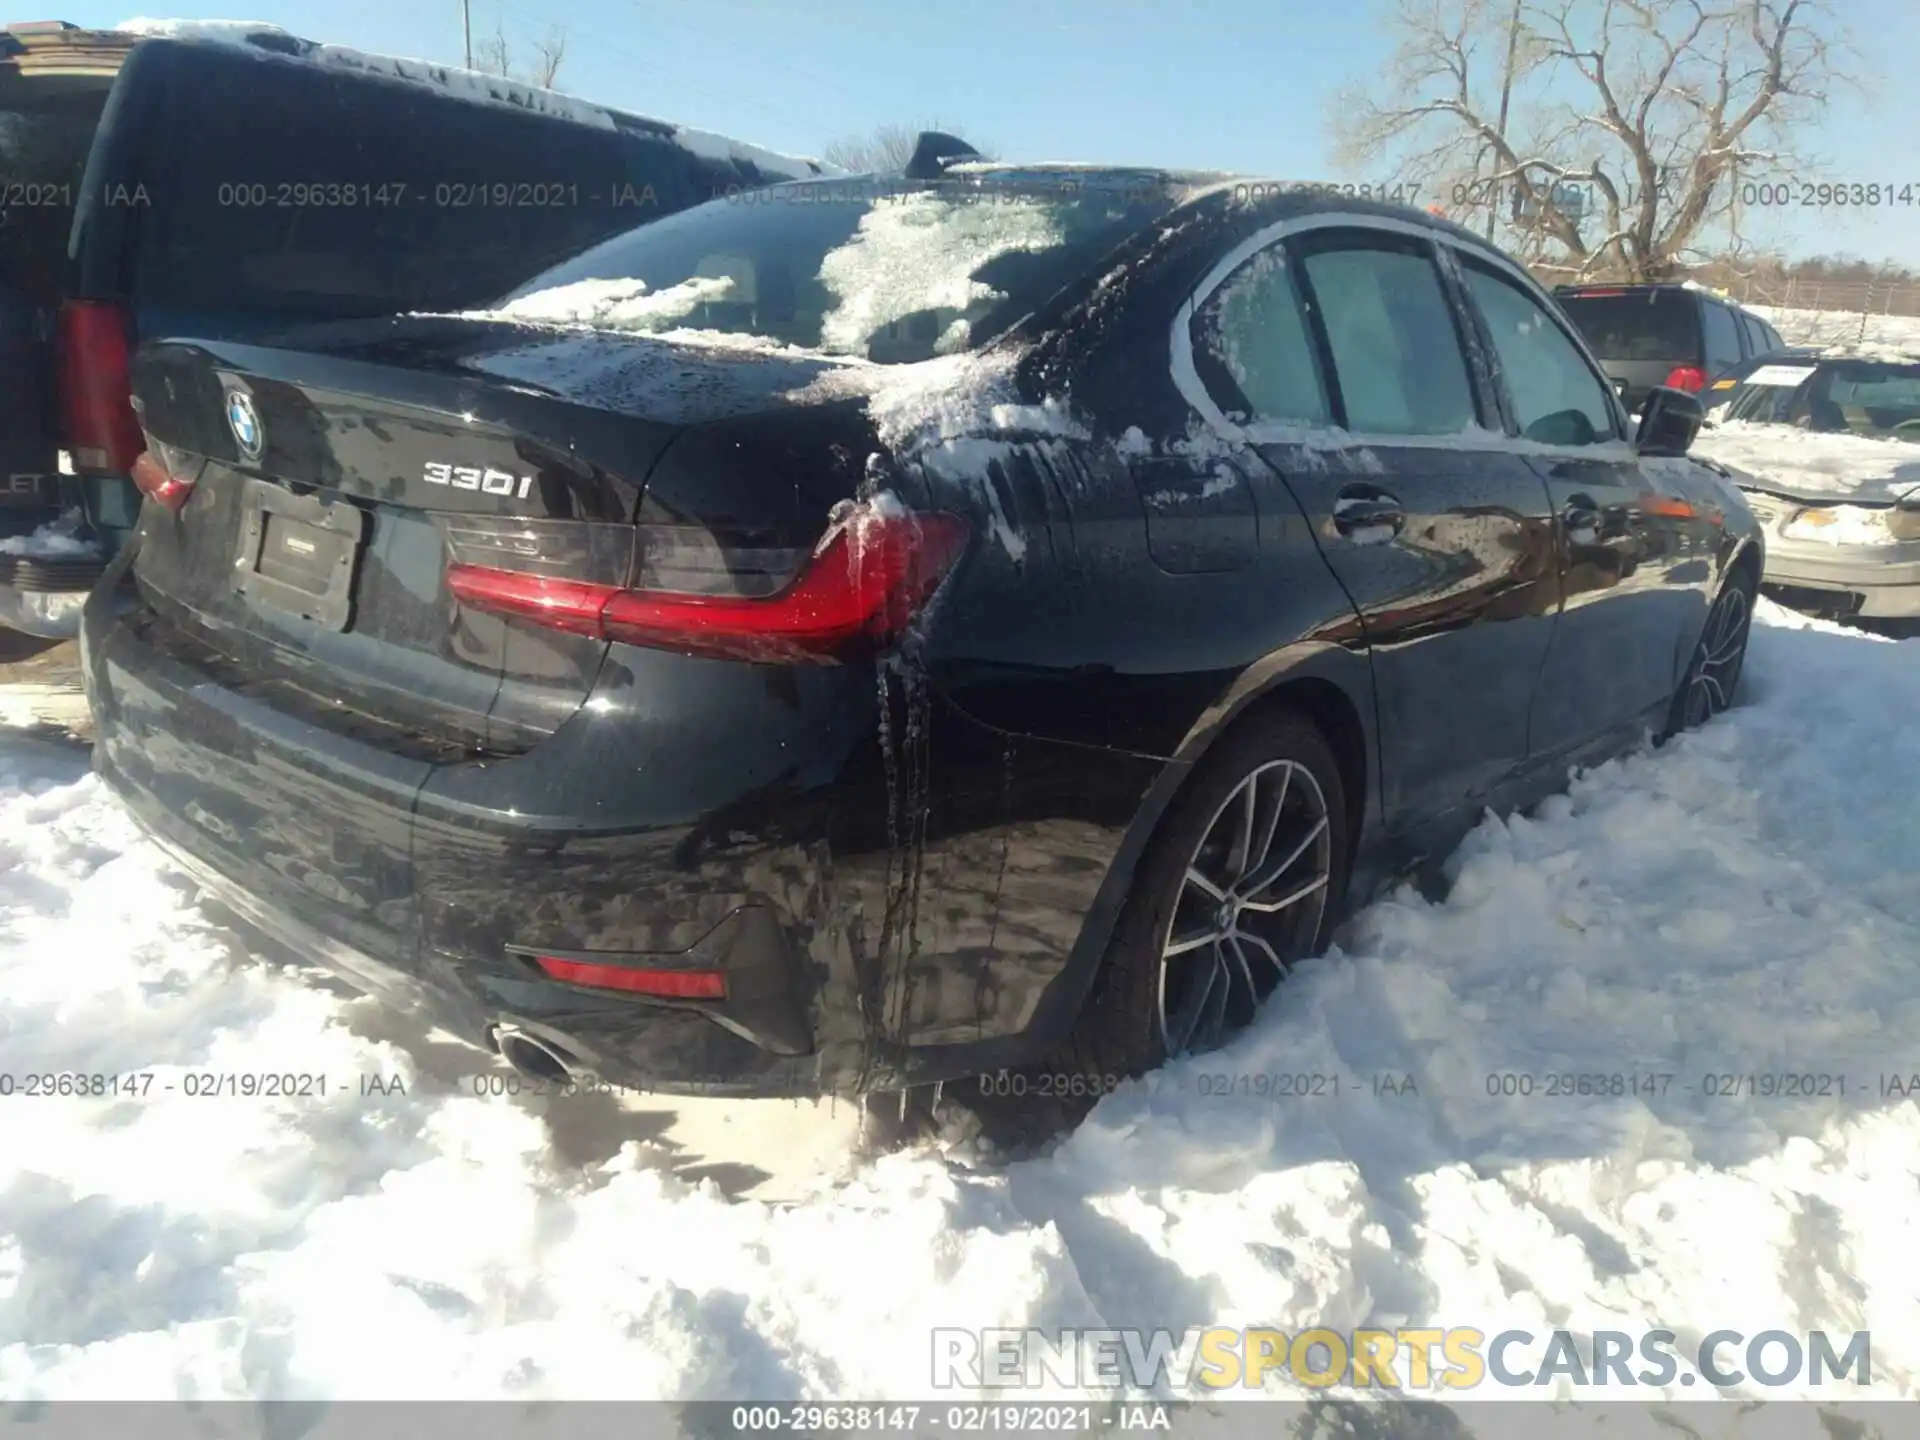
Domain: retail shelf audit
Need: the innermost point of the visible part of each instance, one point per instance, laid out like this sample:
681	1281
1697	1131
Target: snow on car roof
268	41
1894	353
1812	465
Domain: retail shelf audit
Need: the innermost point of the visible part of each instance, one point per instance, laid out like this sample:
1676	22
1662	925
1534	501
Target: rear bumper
307	837
748	823
629	1044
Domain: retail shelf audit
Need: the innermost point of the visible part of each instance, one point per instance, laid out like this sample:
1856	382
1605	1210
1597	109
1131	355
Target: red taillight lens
96	388
1687	377
667	984
865	581
160	483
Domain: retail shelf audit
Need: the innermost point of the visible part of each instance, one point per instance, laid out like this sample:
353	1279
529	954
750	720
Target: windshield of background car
882	270
1637	325
1854	397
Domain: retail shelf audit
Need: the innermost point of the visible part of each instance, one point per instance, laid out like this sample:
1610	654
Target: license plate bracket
299	553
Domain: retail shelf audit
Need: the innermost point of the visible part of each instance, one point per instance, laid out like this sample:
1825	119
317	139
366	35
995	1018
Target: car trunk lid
334	478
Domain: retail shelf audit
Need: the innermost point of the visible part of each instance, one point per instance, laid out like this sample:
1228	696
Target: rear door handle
1377	513
1580	514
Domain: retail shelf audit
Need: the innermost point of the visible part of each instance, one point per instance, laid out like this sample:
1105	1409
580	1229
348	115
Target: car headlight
1843	525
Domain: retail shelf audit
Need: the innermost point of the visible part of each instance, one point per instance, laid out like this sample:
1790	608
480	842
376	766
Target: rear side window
1253	348
1649	325
296	190
1557	399
1398	366
1723	337
1756	335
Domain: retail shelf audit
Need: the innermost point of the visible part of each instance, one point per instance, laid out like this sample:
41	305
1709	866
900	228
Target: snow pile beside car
1737	907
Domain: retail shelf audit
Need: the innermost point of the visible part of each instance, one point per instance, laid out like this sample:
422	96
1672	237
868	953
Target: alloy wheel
1723	647
1250	904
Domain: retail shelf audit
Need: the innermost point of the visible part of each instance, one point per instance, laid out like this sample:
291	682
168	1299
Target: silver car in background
1826	447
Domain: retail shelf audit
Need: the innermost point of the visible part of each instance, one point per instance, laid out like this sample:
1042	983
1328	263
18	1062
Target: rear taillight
96	390
162	478
681	984
1690	378
863	583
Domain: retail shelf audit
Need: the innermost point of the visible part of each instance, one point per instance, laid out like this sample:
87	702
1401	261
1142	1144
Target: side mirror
1669	420
1620	388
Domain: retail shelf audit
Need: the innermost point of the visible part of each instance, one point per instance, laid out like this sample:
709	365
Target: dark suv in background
1675	335
233	181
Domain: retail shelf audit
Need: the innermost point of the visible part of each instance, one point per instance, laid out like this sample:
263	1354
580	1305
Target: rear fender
1264	682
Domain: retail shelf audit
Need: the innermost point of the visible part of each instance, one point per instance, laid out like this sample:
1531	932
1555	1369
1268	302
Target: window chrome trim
1186	376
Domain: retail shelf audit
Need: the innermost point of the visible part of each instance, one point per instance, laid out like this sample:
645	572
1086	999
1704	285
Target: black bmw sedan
870	633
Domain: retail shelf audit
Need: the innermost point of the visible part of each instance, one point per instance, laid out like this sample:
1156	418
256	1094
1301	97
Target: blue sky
1239	86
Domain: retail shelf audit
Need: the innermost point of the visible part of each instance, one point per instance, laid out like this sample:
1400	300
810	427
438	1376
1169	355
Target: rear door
1441	539
1627	552
48	115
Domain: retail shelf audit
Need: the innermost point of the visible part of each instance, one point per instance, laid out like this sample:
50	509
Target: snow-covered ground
1893	337
1741	903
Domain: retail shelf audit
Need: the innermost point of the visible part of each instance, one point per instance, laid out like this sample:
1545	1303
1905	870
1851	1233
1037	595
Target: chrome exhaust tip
531	1056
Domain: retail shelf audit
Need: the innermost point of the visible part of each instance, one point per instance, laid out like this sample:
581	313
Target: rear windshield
1854	397
46	130
289	188
1645	325
887	271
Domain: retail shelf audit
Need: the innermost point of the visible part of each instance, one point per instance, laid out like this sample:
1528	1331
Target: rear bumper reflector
664	984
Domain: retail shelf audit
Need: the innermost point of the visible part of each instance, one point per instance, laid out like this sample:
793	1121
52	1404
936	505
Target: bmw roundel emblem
244	421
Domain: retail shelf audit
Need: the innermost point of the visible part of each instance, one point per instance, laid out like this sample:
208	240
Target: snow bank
1847	332
53	541
1740	903
1812	465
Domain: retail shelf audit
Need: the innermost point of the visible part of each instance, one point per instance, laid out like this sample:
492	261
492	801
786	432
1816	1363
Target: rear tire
1240	882
1712	681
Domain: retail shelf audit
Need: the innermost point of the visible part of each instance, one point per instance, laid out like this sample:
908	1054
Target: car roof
270	43
1869	351
1600	288
1188	186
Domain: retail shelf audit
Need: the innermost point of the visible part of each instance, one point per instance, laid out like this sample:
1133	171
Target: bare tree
1603	136
494	56
885	148
548	55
